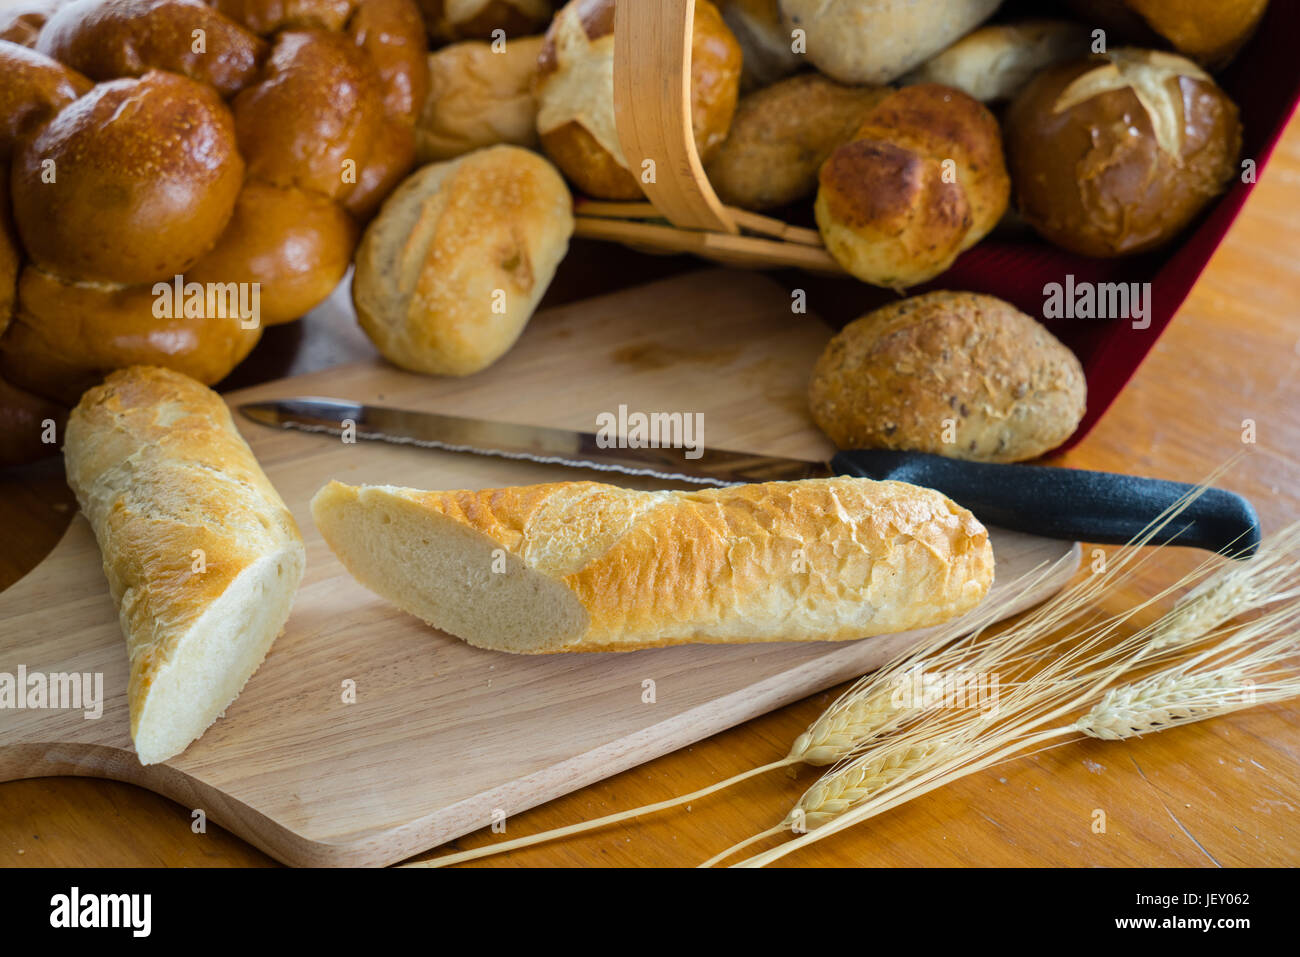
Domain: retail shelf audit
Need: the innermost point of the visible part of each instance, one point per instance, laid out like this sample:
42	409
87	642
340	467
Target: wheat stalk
1255	665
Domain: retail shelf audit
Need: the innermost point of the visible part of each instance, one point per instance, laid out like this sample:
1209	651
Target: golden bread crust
922	180
451	270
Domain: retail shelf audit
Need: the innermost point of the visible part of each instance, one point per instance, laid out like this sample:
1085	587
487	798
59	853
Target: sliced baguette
201	555
580	566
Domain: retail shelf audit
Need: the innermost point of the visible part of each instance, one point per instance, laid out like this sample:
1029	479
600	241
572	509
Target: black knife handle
1102	507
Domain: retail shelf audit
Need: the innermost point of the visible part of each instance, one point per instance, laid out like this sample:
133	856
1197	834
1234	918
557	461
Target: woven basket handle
652	110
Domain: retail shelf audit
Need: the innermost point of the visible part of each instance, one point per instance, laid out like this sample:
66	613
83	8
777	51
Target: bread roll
392	156
478	97
391	33
296	244
575	95
591	567
22	414
317	108
202	556
479	19
23	419
103	215
995	62
107	39
765	43
1117	154
781	135
11	258
66	335
922	180
265	17
1209	31
875	41
451	270
952	373
21	20
35	88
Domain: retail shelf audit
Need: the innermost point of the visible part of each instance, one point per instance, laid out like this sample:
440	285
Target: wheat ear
1254	666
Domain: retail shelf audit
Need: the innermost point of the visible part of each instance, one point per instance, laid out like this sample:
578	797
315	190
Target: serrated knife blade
533	443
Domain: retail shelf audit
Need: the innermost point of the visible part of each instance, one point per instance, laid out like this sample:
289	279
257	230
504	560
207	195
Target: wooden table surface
1222	793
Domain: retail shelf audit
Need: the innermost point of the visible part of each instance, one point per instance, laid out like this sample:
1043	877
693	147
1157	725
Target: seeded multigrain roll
953	373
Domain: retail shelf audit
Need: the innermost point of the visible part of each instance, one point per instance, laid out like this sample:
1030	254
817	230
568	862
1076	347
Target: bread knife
1072	504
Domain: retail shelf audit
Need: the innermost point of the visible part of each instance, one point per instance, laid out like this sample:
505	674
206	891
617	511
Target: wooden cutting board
441	734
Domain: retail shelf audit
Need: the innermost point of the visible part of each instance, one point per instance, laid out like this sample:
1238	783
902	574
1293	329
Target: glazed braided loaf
237	145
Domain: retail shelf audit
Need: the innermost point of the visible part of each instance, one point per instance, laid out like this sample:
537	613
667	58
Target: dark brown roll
34	89
391	34
10	257
143	179
1116	154
391	158
478	19
23	421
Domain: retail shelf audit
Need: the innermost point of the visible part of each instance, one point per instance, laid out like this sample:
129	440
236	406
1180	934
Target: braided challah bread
177	175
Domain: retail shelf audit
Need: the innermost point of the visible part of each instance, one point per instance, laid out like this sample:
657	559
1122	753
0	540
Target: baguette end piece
207	671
